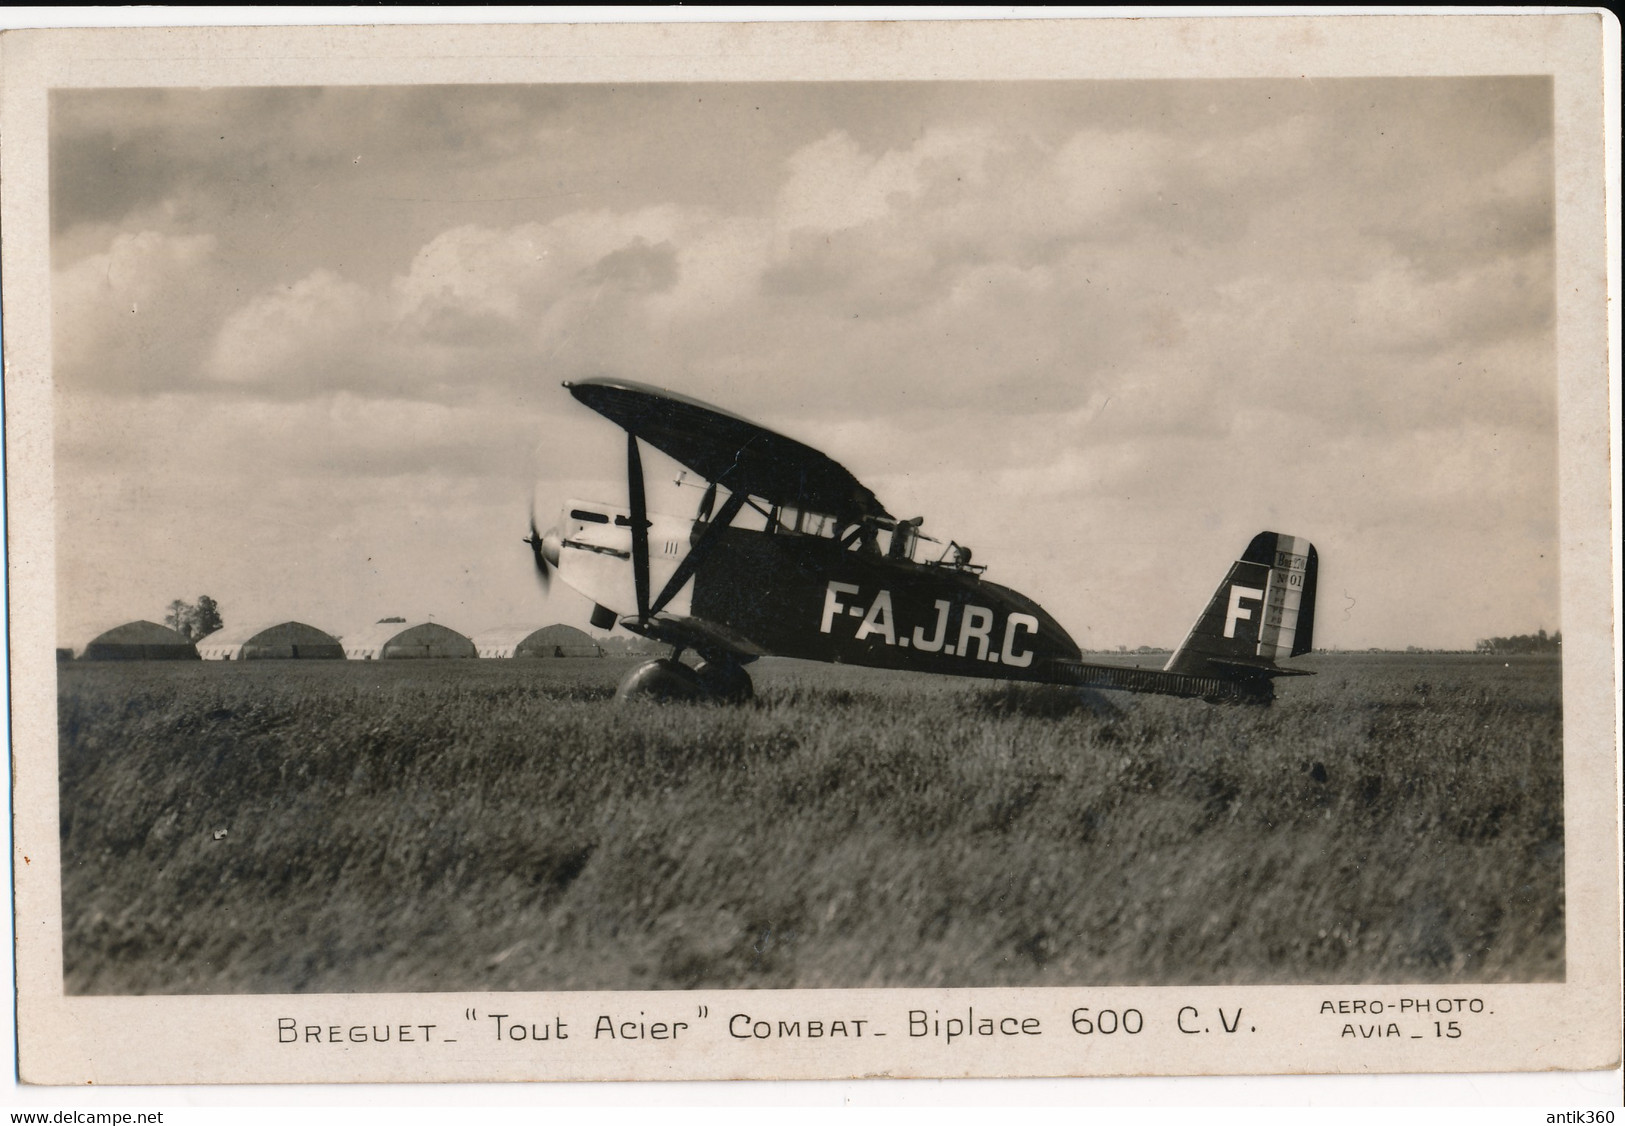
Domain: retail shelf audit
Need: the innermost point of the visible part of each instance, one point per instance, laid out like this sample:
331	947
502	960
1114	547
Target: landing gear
726	680
661	681
666	680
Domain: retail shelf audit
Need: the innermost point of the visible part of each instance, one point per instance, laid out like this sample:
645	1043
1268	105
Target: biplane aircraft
823	572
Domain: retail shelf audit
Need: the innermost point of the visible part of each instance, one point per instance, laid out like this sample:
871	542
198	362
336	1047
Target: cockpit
898	540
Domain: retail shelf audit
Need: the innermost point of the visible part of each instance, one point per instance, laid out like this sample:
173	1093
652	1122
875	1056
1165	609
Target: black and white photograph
735	535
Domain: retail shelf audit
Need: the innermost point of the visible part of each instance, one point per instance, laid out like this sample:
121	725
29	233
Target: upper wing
732	451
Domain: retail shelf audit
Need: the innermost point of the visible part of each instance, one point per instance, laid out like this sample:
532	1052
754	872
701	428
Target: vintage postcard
1022	548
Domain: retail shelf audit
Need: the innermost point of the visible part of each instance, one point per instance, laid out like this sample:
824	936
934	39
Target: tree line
194	620
1523	643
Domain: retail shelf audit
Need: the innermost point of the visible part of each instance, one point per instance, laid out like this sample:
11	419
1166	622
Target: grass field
336	826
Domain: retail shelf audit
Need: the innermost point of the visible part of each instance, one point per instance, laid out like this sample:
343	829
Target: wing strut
640	525
708	538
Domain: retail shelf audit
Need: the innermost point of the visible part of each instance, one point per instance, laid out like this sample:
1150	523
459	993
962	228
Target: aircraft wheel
662	681
726	680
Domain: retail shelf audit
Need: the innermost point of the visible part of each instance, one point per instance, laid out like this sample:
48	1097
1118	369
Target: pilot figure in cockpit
902	538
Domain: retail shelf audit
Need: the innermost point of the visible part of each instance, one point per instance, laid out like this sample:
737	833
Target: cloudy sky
308	342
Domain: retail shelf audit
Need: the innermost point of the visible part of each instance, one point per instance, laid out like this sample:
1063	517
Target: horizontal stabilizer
1256	667
1213	687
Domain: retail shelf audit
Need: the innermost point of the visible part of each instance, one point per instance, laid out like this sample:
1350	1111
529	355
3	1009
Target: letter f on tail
1263	611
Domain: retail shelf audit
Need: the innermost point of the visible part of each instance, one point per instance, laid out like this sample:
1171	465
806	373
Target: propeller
544	548
543	571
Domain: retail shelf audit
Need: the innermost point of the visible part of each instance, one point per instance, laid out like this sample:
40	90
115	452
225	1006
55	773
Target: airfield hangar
527	641
387	641
140	641
284	641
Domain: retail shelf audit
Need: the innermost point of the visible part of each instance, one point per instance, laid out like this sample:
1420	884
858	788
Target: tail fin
1263	611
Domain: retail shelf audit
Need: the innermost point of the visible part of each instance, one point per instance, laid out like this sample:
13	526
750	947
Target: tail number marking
832	603
1236	612
878	619
934	643
976	627
1013	623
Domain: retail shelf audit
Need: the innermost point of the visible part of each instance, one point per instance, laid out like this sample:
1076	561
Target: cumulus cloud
139	314
834	185
1158	295
307	441
966	268
279	336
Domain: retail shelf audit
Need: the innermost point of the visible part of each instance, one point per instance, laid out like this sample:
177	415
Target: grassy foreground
328	826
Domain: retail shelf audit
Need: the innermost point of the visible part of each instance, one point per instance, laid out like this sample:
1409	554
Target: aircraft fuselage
820	570
801	595
804	596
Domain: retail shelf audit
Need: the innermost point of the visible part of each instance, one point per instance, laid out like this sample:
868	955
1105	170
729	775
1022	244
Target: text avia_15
818	569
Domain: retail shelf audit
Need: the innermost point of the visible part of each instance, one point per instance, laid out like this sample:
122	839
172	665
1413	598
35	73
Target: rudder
1262	612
